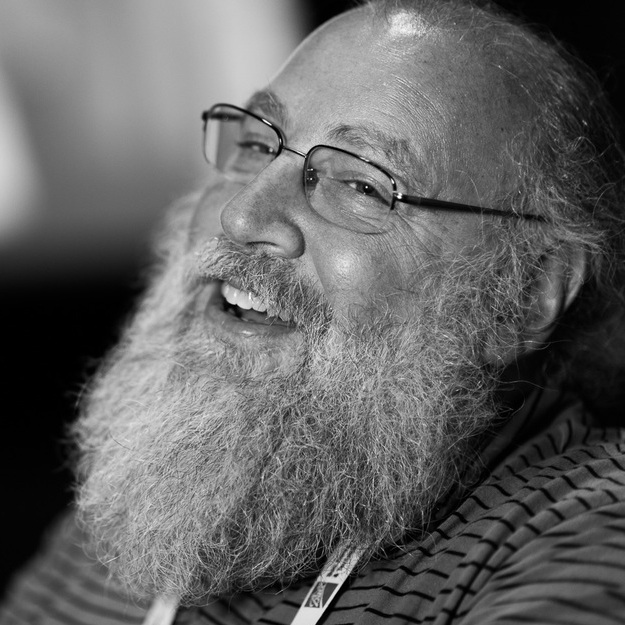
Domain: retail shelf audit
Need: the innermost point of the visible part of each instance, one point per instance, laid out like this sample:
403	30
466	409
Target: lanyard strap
162	611
328	583
332	577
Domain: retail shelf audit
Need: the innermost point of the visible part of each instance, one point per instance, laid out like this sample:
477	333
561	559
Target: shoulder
552	533
62	584
541	540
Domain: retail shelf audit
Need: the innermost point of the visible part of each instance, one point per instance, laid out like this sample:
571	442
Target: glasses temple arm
416	200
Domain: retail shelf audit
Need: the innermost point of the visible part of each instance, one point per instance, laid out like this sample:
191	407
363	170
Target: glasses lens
238	144
347	190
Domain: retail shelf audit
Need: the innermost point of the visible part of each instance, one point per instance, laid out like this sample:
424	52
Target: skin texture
399	81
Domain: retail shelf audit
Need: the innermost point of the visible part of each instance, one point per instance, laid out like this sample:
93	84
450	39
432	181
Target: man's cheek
373	286
348	277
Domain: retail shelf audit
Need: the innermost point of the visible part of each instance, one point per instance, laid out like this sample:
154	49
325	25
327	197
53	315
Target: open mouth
247	307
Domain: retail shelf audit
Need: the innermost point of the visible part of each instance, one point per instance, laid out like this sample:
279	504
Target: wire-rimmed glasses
344	188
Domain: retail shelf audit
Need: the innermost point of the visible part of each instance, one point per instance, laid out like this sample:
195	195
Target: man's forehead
423	103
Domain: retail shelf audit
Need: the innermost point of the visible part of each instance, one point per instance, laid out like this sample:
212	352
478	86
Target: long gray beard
204	475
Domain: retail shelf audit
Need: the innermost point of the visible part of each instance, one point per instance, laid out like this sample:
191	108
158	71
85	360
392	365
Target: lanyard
328	583
332	577
162	611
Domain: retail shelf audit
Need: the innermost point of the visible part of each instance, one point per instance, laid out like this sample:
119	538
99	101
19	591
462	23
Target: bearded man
361	385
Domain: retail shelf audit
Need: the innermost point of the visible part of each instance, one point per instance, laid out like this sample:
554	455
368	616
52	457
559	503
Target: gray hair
570	170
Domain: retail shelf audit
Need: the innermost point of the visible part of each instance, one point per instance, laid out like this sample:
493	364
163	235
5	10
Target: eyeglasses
344	188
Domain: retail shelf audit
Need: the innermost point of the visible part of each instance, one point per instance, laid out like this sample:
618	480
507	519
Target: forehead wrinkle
267	104
396	150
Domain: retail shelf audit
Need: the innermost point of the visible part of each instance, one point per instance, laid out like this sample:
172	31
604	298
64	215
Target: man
358	388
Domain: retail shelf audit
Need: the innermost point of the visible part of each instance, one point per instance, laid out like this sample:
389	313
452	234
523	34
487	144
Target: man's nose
267	213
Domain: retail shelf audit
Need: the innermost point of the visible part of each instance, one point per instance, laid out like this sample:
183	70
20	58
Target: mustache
272	279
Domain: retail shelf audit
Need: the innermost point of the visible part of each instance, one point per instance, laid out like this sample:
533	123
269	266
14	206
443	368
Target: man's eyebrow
371	141
267	104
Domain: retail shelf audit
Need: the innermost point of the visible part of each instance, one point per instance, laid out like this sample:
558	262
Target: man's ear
556	285
554	288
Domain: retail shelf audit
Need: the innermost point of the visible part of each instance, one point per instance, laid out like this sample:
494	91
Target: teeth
242	299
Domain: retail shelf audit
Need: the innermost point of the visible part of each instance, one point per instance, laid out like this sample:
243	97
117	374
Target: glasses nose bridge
290	149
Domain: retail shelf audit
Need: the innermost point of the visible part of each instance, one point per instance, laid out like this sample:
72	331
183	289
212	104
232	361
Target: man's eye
363	187
256	146
366	188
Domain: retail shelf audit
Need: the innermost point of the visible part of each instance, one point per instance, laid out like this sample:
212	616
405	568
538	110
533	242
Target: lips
238	311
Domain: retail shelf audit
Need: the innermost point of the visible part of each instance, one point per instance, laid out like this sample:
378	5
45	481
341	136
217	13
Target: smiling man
365	382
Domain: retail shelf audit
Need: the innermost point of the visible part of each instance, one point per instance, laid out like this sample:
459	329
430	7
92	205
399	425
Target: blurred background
100	105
